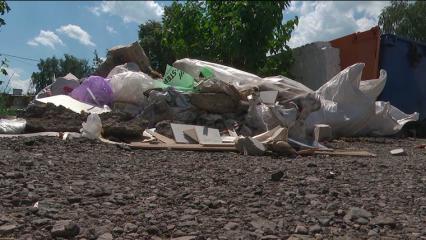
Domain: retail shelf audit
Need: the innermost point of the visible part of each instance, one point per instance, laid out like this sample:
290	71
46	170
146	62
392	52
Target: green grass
5	111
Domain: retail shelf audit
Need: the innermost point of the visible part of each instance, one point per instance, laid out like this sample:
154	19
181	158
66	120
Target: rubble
199	105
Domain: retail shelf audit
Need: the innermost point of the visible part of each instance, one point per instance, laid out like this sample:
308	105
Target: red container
360	47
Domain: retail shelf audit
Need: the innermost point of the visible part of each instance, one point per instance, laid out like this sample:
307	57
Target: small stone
170	227
14	175
315	229
262	223
269	237
7	228
184	238
118	230
383	221
105	236
65	229
29	142
152	230
300	237
231	226
324	220
277	176
311	165
301	230
74	199
398	152
356	212
362	221
130	227
373	232
333	206
42	221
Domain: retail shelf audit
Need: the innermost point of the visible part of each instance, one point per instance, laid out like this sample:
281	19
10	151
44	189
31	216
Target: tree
4	8
406	19
236	33
150	36
53	67
96	61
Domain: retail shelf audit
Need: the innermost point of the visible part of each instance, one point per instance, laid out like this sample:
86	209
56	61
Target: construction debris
205	106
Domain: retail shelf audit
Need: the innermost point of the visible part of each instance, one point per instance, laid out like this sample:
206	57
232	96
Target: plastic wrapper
131	66
92	128
129	87
94	90
12	126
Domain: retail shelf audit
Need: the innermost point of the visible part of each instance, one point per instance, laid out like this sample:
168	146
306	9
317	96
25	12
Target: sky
39	29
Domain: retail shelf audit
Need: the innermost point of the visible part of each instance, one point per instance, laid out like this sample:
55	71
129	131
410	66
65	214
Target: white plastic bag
349	107
12	126
127	67
372	88
129	86
92	128
240	79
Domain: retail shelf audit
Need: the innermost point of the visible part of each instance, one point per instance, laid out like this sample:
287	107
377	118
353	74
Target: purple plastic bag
95	91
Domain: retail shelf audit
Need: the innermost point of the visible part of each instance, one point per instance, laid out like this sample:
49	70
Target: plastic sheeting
12	126
92	128
345	102
240	79
95	91
129	87
349	107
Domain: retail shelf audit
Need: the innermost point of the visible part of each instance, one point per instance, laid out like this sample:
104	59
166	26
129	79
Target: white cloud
76	32
16	80
110	29
130	11
46	38
324	21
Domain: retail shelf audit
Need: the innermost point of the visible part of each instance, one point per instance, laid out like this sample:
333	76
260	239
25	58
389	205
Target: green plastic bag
178	79
206	72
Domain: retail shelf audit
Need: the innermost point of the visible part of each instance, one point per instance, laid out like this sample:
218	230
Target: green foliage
235	33
405	19
150	36
96	61
3	66
4	8
53	67
4	111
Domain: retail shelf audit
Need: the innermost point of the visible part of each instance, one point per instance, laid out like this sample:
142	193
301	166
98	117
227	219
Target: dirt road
81	189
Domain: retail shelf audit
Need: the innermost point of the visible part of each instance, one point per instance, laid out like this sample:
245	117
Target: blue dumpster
405	63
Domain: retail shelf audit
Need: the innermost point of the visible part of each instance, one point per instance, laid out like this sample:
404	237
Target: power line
25	58
28	63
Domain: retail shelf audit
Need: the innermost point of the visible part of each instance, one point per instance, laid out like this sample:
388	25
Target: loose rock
65	229
7	228
277	176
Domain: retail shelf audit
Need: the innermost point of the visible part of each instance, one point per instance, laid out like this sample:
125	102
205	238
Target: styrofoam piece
203	134
268	97
72	104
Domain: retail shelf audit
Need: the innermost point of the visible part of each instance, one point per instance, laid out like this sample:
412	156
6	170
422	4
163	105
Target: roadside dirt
107	192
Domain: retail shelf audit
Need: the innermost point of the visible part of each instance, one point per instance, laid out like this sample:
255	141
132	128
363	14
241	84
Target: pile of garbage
199	105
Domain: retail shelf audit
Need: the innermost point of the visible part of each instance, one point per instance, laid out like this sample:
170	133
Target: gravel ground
81	189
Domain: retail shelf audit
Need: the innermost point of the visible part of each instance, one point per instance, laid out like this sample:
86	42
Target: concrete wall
315	64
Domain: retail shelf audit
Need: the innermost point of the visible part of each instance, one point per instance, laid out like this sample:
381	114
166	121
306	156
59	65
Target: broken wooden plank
184	147
336	153
160	137
204	134
39	134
